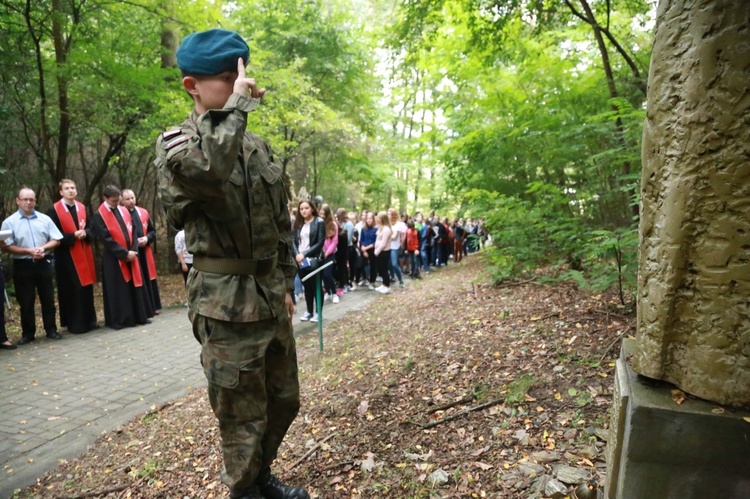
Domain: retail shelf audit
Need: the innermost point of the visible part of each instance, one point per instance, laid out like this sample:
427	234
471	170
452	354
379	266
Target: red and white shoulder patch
175	142
171	133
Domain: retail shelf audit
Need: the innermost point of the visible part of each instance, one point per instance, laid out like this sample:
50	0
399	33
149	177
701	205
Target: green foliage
548	227
496	109
319	106
610	260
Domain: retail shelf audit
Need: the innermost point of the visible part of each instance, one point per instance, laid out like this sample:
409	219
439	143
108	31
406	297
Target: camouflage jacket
220	184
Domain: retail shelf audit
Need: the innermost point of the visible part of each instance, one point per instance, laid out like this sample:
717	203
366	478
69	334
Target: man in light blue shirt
34	236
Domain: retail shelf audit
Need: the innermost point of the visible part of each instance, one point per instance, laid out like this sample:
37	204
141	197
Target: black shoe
54	335
272	488
251	493
10	346
25	340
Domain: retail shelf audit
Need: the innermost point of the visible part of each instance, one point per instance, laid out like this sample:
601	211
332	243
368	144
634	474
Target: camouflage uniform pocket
218	372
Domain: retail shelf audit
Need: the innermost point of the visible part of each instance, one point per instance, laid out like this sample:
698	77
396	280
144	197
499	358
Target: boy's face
211	92
68	191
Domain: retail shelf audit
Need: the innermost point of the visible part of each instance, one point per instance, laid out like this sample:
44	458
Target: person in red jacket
412	249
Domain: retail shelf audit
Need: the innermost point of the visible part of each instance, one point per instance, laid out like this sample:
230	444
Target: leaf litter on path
449	387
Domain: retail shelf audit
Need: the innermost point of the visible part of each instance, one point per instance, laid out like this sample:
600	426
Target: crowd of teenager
372	250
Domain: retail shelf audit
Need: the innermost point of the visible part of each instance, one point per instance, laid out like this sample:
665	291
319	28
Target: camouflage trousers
253	390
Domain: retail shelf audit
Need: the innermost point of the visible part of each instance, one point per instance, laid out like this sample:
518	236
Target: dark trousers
342	269
311	293
30	278
329	283
373	264
355	269
415	263
383	265
185	274
436	254
3	336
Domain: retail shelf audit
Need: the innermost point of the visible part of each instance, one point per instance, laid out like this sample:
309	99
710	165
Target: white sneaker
363	282
383	290
335	298
314	318
307	316
370	286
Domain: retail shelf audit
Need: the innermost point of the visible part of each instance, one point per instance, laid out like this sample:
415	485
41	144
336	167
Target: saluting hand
244	85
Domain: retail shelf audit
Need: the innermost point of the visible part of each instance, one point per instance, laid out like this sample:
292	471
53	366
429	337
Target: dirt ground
448	388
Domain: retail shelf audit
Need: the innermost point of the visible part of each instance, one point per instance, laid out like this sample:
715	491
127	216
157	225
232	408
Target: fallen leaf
678	396
364	406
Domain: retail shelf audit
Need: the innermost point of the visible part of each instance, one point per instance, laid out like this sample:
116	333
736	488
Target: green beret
211	52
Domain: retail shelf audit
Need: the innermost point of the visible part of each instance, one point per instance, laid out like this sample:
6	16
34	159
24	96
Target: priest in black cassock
74	262
122	278
145	232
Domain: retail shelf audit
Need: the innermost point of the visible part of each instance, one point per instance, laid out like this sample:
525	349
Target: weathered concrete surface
694	269
659	449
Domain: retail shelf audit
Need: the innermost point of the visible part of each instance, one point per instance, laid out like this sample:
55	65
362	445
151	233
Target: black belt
234	266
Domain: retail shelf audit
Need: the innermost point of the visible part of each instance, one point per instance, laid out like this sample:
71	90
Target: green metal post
319	304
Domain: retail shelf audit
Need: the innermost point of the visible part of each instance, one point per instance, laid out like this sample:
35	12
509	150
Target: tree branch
459	414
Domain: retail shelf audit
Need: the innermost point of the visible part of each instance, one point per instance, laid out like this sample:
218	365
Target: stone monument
693	326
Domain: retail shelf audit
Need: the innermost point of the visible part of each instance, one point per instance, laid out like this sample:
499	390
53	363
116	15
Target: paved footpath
59	396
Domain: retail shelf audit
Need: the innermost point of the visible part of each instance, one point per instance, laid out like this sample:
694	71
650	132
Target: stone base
658	449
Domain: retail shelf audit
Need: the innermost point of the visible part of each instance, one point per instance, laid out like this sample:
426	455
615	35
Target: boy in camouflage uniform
219	183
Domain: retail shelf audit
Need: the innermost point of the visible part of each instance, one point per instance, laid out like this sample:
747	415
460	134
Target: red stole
149	252
113	226
80	252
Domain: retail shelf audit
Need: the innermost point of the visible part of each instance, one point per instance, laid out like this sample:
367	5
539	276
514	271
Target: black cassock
77	312
153	302
124	303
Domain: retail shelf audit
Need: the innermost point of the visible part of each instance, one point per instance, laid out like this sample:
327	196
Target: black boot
251	493
271	488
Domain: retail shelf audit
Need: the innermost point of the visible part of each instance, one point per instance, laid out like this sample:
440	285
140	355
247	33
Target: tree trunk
63	135
169	41
589	17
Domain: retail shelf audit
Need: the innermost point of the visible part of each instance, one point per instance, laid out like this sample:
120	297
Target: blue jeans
395	269
426	256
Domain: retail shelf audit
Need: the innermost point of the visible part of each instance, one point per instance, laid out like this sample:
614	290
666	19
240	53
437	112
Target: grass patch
518	388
